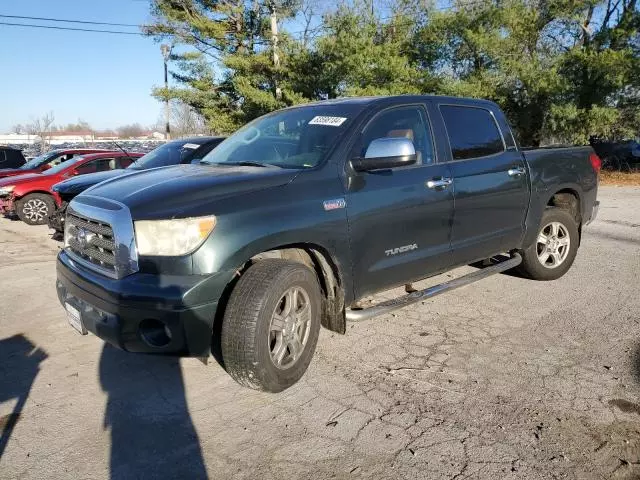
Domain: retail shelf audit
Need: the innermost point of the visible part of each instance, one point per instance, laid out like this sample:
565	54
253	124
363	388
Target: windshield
38	161
61	166
295	138
171	153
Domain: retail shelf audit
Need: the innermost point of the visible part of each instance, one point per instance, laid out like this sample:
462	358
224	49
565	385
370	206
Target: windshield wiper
244	164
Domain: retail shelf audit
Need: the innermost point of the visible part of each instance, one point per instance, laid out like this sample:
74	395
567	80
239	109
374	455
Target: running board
401	302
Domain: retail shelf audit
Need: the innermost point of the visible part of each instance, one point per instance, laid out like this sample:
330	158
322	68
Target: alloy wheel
35	210
553	245
290	327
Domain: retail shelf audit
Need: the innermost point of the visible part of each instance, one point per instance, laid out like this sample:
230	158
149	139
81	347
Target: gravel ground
507	378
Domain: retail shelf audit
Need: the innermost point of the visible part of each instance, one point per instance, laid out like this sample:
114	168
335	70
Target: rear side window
472	132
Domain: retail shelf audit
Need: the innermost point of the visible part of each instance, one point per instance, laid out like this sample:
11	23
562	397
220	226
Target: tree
562	70
42	127
18	129
130	131
234	37
186	121
360	55
79	126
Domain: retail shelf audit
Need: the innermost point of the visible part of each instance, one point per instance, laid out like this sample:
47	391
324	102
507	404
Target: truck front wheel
271	325
554	250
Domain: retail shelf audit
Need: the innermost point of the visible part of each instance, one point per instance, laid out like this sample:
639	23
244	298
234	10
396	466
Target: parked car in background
46	161
30	196
621	156
11	158
184	150
301	214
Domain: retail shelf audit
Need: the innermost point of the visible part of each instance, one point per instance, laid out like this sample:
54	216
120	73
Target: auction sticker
329	121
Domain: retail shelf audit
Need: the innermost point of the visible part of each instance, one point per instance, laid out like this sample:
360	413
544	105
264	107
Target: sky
101	78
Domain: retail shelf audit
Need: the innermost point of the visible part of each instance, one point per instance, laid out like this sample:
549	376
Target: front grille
91	240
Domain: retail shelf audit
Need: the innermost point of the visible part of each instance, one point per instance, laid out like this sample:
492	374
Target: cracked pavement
505	378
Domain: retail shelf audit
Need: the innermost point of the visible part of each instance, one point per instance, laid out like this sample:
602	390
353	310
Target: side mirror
387	152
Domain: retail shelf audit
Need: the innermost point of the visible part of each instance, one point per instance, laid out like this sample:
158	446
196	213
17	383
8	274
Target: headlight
169	238
7	190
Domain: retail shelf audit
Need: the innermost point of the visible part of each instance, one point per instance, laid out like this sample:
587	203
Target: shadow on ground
19	366
152	435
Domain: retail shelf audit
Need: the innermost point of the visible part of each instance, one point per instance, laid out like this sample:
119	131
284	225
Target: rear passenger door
490	183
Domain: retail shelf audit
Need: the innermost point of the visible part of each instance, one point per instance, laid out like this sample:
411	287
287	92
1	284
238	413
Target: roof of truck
387	98
364	102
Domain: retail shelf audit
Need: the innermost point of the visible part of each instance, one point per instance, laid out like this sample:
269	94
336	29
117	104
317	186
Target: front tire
271	325
554	250
35	209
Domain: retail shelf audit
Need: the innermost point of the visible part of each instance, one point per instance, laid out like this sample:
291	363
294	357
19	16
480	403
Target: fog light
154	332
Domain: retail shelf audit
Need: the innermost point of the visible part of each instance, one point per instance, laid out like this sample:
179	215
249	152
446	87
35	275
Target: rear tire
271	325
35	209
554	249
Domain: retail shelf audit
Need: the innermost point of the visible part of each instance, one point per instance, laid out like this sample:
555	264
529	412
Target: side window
100	165
472	132
124	162
201	152
14	158
3	157
408	122
55	161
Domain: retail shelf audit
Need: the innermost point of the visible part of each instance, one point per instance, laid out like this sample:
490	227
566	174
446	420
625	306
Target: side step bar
401	302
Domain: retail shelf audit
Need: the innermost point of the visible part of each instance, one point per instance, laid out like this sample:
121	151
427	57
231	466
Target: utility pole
274	41
166	52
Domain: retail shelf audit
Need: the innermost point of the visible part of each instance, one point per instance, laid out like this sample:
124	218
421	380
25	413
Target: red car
31	197
47	161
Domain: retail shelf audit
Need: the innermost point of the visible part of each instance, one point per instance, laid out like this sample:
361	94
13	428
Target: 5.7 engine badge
334	204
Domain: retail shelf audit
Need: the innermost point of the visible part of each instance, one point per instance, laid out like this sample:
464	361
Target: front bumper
120	311
56	219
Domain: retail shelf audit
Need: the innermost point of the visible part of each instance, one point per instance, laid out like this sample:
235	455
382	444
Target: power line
70	21
31	25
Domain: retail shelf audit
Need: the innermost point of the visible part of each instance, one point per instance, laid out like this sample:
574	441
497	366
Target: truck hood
19	179
173	191
76	185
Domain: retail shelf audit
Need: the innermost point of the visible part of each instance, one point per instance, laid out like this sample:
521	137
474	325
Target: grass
620	178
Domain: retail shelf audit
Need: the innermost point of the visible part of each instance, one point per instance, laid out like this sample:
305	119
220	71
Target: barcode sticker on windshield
191	145
329	121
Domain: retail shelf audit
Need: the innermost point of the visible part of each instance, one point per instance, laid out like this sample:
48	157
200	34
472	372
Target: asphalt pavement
505	378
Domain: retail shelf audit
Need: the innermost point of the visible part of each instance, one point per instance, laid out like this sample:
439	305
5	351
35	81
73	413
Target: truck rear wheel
271	325
35	209
555	248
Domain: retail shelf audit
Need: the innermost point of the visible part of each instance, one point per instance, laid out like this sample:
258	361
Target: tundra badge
405	248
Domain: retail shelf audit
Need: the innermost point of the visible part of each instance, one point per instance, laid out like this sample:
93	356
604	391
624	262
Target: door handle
515	172
439	183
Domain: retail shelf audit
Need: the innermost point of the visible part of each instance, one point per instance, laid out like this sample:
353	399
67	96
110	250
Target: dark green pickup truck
302	213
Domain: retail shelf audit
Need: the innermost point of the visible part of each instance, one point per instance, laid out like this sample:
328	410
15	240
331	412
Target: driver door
400	226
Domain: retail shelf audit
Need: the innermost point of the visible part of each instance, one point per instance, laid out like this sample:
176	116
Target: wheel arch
19	196
327	270
568	199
